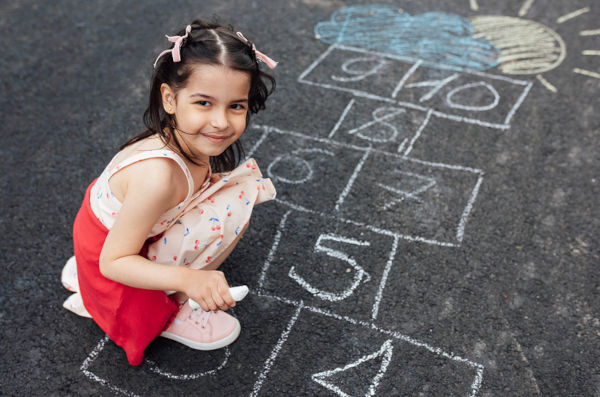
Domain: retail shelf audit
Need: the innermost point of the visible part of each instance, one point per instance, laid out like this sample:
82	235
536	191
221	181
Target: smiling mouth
215	138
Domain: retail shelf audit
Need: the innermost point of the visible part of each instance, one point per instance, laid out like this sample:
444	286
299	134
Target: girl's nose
218	120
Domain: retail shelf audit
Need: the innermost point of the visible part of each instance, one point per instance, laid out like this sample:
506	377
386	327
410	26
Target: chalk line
475	386
271	360
315	63
406	77
588	73
353	177
153	366
525	7
90	359
386	271
385	350
342	117
273	249
546	83
418	133
592	32
460	230
573	14
262	138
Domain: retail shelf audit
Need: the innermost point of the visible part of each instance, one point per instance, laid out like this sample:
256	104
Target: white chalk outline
363	94
269	362
153	366
353	177
386	350
463	219
475	386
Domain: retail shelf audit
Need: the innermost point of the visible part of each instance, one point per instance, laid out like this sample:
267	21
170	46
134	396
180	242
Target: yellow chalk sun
528	47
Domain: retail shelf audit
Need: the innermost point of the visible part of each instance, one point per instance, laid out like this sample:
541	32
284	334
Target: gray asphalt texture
511	308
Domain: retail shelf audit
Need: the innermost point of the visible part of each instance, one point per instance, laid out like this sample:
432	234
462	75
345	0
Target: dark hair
207	43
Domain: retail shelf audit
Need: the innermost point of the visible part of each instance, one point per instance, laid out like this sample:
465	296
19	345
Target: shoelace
200	317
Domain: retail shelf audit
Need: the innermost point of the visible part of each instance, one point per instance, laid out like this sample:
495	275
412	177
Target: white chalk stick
237	293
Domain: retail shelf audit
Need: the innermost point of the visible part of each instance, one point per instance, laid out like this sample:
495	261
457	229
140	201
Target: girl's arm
152	189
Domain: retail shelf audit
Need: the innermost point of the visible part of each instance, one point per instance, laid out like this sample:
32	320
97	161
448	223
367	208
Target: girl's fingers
225	295
219	300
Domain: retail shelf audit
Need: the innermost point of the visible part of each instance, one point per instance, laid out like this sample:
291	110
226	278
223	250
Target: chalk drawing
383	127
385	352
588	73
294	164
360	276
441	40
369	215
572	15
342	117
357	169
271	360
436	84
478	368
411	76
86	371
154	367
380	115
413	194
386	272
358	74
526	47
590	32
525	7
480	108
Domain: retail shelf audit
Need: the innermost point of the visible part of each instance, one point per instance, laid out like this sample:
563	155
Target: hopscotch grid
414	61
367	226
371	149
300	305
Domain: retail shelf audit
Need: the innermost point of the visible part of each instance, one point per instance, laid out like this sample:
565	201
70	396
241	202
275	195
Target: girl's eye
203	103
237	106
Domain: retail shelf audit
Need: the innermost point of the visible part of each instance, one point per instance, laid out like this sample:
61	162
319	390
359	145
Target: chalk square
475	96
472	97
380	125
306	171
345	359
171	366
328	263
361	72
417	199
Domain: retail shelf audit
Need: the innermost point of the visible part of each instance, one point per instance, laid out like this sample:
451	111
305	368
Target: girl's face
210	111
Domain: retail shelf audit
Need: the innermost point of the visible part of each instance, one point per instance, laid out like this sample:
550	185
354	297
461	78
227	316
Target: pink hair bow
259	55
175	51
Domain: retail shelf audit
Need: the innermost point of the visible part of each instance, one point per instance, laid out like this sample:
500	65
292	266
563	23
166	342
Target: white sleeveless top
106	206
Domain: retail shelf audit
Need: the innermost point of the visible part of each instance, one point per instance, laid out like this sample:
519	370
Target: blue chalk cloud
440	40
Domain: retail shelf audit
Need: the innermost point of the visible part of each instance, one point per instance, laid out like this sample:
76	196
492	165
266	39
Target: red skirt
131	317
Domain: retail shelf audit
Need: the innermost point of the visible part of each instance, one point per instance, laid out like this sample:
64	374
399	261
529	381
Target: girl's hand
210	289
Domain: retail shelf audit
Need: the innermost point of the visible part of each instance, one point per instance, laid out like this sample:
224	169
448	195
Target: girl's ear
168	98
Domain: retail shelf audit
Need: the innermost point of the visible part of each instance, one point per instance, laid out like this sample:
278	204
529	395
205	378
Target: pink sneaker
202	330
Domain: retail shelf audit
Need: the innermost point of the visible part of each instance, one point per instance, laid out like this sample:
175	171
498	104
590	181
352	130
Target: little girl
158	220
